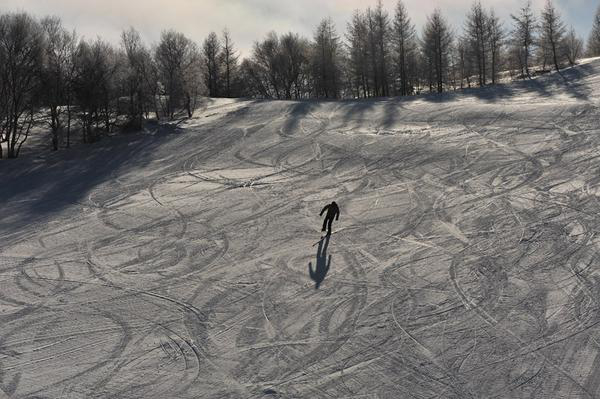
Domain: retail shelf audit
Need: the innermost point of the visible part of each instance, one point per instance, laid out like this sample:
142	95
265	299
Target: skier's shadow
323	263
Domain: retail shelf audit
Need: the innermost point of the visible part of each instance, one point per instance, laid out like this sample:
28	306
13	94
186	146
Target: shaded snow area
175	263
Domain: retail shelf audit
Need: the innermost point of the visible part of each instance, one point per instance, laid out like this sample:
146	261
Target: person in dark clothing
333	211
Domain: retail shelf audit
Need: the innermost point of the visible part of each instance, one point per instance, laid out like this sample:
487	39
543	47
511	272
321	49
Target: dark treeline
51	77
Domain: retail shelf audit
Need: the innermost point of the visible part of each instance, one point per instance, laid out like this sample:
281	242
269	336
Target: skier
332	212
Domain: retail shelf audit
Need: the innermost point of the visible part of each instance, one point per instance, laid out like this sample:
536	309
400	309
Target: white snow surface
175	263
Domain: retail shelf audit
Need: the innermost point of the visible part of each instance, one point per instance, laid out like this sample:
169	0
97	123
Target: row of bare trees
221	66
383	55
593	45
48	75
544	41
21	54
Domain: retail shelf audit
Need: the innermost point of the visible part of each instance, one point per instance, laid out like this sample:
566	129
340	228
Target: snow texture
175	263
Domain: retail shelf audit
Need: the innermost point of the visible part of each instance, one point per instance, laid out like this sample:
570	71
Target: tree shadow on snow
34	187
323	263
298	111
569	82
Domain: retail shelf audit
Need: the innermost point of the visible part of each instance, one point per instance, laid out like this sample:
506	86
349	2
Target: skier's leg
324	224
329	226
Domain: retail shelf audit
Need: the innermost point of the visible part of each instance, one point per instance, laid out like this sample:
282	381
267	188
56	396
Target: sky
251	20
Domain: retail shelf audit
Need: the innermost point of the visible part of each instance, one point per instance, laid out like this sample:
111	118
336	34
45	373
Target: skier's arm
337	214
323	211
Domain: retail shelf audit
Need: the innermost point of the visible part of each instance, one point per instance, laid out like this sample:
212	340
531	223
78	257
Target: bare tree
230	63
139	79
192	78
553	31
436	45
496	37
373	53
95	87
593	44
21	52
211	50
454	66
524	35
167	58
572	46
266	64
404	42
465	68
378	34
280	65
382	35
255	78
70	83
56	72
543	55
358	50
326	60
293	59
177	59
476	35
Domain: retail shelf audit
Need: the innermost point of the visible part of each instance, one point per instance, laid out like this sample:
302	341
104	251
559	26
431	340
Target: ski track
464	264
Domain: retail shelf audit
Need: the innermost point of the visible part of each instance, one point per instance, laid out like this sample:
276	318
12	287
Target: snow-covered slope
175	263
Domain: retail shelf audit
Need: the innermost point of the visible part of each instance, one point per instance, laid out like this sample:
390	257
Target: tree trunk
13	137
69	122
493	67
228	77
527	61
188	105
554	56
54	126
